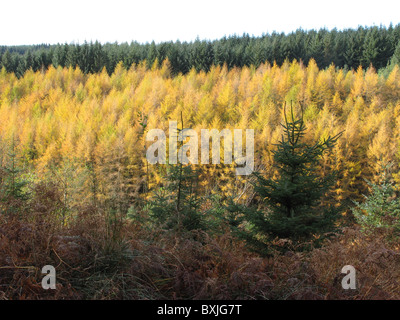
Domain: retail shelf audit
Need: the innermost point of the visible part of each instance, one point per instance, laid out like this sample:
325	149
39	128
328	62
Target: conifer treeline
348	48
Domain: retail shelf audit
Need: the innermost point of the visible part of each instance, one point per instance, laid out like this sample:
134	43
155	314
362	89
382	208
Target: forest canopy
348	48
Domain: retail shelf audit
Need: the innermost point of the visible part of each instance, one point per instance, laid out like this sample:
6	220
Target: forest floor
91	264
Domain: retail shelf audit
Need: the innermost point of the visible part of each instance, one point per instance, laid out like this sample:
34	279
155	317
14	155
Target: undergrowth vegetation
90	266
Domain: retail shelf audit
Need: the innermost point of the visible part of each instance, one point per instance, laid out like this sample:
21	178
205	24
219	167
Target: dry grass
91	263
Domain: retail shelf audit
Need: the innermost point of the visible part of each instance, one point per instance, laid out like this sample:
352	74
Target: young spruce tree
291	202
381	208
177	205
13	194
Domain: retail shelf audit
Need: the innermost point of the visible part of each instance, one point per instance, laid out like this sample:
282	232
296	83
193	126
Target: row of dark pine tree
347	48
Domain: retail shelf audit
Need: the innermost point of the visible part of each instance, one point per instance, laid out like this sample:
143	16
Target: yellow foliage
63	114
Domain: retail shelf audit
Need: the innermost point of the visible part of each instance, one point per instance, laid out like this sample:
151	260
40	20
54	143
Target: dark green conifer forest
348	48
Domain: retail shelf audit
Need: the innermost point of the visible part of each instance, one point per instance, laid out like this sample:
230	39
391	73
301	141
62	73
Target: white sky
52	21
